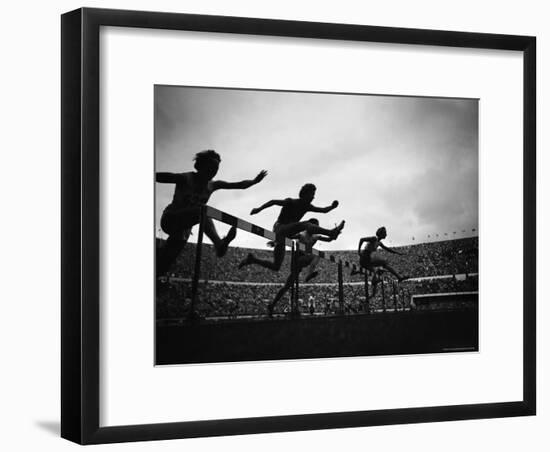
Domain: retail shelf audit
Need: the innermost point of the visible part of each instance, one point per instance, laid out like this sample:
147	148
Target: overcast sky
408	163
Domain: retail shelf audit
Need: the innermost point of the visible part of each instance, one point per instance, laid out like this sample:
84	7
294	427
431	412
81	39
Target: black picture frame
80	316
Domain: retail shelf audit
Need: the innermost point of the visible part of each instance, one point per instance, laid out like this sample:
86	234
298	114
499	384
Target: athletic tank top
188	193
293	211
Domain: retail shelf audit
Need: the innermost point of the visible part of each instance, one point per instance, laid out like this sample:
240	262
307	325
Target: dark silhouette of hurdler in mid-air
302	259
371	261
192	192
288	224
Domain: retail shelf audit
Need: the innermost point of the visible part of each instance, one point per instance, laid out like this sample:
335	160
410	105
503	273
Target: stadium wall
318	337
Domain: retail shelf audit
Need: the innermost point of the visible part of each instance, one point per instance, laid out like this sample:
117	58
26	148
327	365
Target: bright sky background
408	163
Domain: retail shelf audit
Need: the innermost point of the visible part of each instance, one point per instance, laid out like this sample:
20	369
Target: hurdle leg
340	288
196	275
383	294
292	287
367	303
394	297
296	284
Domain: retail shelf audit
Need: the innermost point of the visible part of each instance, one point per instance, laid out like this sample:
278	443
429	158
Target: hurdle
367	302
198	258
398	297
395	295
394	287
383	295
341	309
294	304
223	217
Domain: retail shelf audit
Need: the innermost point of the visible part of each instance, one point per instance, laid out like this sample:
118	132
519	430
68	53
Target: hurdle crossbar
266	233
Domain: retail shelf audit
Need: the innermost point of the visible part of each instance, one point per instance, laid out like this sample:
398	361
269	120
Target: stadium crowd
251	299
449	257
229	292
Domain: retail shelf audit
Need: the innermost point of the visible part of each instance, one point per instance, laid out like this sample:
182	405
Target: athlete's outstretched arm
220	184
273	202
389	250
167	178
327	209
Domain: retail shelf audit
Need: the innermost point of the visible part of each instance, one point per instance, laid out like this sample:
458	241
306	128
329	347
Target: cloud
408	163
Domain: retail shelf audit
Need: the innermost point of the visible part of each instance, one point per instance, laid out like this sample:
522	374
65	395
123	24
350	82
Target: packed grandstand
226	291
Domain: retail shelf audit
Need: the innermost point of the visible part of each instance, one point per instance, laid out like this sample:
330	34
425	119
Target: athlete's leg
364	264
393	272
295	228
178	231
300	264
312	273
379	262
280	293
168	253
220	245
376	278
278	257
314	262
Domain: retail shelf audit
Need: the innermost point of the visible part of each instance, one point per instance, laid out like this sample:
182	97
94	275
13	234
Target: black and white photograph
276	226
296	225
